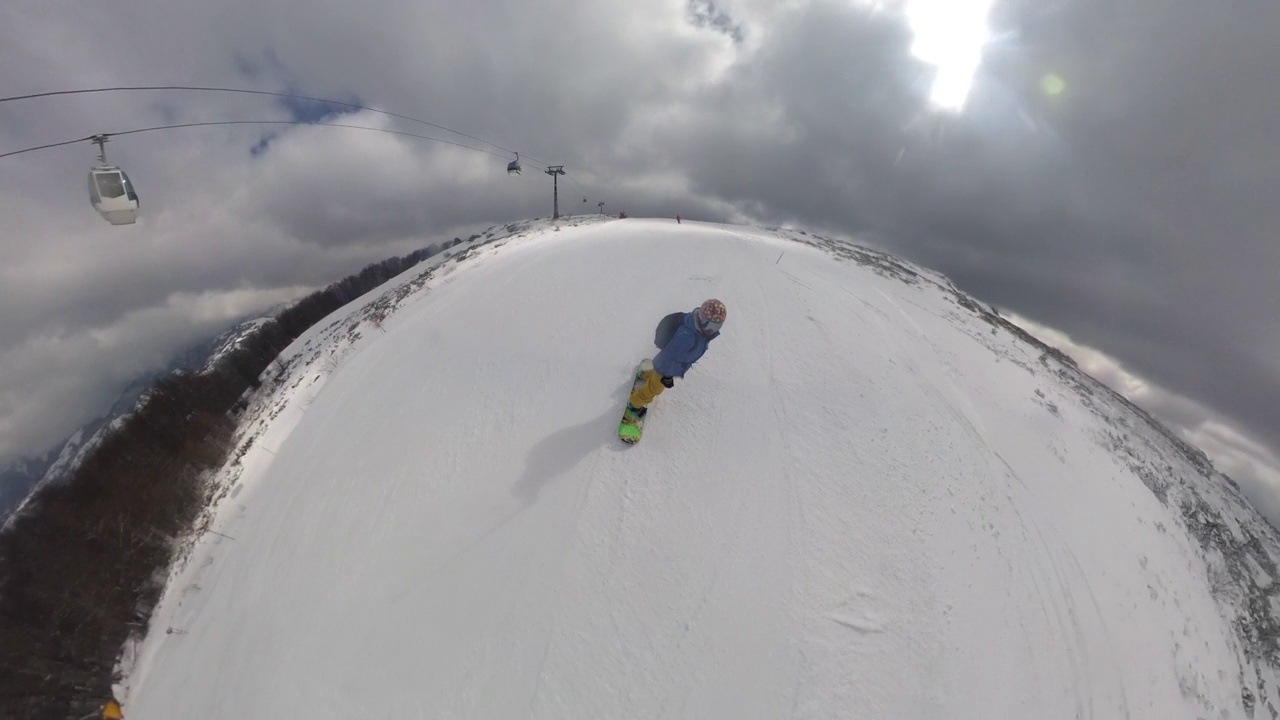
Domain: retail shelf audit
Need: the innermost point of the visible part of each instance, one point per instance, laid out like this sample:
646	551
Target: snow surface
864	502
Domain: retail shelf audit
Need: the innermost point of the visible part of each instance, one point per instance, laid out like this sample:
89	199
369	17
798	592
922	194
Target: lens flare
1052	84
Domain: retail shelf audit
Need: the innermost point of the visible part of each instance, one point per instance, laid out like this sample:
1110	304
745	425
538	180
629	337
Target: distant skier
677	219
683	337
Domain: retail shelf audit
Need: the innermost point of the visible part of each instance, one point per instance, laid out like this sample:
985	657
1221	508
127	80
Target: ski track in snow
847	509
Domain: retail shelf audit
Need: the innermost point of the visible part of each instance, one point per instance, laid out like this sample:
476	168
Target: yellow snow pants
651	389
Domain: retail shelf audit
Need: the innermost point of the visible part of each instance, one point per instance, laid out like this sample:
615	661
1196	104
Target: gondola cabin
110	191
113	195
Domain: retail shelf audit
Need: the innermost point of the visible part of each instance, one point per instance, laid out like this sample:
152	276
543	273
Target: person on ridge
693	334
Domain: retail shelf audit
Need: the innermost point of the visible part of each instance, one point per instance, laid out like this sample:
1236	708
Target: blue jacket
686	346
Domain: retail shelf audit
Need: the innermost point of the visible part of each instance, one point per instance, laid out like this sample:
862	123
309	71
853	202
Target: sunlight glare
949	34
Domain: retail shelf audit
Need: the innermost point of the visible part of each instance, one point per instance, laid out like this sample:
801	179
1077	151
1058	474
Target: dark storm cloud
704	13
1135	210
1169	261
237	219
809	123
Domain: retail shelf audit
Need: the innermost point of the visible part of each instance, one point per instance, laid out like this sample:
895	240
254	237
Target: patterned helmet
710	316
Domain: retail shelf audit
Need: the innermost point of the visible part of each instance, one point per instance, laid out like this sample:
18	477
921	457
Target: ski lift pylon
513	167
110	190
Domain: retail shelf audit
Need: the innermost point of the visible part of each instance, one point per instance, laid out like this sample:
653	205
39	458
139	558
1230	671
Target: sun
950	35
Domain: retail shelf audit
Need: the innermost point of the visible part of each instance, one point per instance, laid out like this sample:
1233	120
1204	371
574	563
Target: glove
668	382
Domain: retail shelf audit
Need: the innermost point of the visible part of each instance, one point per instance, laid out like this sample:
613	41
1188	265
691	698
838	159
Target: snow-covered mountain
873	498
24	477
20	476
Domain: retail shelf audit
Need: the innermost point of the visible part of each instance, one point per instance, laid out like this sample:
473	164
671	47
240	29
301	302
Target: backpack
667	328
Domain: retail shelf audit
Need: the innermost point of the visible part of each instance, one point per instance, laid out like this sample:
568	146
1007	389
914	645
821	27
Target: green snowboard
631	428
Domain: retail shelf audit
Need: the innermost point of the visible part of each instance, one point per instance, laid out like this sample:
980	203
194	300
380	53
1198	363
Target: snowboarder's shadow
561	451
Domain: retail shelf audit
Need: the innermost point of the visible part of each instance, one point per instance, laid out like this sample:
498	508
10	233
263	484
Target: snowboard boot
635	413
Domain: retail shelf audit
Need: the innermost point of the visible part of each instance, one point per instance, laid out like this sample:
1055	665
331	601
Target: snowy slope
871	499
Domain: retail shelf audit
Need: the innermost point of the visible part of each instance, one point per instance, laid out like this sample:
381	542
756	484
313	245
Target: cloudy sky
1107	171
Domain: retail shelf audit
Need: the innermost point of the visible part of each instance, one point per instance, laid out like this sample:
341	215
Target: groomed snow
864	502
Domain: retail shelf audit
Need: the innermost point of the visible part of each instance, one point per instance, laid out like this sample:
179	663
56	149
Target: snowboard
630	429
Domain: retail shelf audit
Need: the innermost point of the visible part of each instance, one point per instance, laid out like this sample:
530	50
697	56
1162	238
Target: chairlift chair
513	167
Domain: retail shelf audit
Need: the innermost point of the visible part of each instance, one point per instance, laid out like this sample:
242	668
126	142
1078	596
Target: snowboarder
677	219
692	336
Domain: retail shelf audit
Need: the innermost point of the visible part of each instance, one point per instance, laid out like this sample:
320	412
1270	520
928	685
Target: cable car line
256	92
248	122
87	138
114	197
